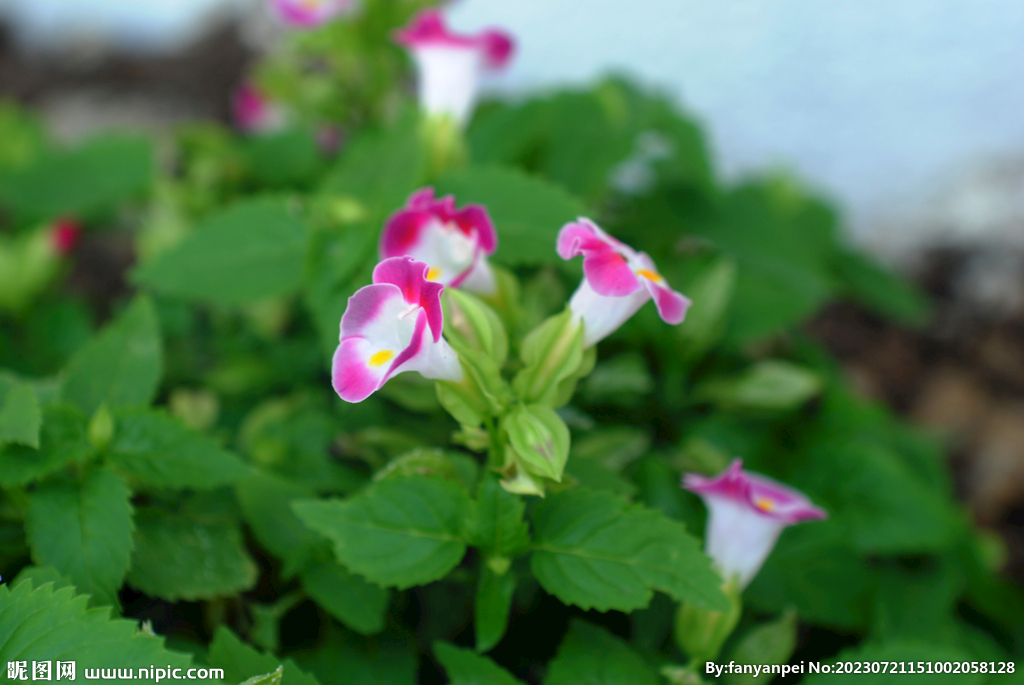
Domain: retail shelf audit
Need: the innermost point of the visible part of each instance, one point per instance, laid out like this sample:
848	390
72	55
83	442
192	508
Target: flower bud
551	353
540	439
701	632
769	643
101	428
471	323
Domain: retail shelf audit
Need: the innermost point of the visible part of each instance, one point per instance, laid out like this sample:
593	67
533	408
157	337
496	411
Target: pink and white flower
450	64
310	13
64	235
391	327
617	281
253	112
454	243
746	514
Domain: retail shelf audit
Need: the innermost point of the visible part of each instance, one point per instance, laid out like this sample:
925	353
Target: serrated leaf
95	176
466	668
273	678
527	211
62	441
594	550
399	531
120	366
497	525
44	624
590	655
266	501
492	606
20	415
178	558
253	250
350	599
161	452
84	531
899	652
240	661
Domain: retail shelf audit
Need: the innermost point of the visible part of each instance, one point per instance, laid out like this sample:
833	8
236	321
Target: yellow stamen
650	275
764	504
382	357
433	273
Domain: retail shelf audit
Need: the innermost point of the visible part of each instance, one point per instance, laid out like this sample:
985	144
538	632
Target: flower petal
609	274
411	278
498	47
581	237
310	13
352	375
672	306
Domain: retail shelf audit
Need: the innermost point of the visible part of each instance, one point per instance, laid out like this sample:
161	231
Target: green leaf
814	568
380	168
266	501
466	668
591	655
770	385
492	606
346	659
350	599
161	452
120	366
399	531
905	652
273	678
497	526
594	550
20	416
287	158
768	643
881	290
97	176
240	661
45	624
40	575
253	250
62	441
84	532
527	211
177	558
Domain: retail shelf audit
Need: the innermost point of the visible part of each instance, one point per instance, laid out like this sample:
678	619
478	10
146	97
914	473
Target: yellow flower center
764	504
433	273
381	358
650	275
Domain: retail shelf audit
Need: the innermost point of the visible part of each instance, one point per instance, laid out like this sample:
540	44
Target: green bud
768	644
28	263
499	565
481	393
518	480
197	409
540	439
701	632
101	428
551	353
471	323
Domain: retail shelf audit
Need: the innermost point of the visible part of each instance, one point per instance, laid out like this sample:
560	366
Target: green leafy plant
287	501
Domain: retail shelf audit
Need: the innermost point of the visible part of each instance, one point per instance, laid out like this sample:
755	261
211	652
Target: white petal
448	79
602	315
739	539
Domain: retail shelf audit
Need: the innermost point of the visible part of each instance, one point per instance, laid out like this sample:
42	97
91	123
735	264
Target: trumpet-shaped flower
253	112
617	281
390	327
450	64
454	243
746	515
310	13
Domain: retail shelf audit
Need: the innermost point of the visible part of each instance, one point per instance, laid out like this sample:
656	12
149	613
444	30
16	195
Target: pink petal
747	489
351	375
411	277
302	15
609	274
402	229
402	232
498	47
415	345
365	306
428	28
579	238
475	219
672	306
